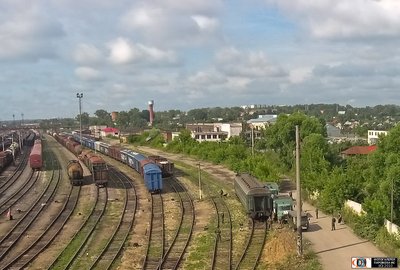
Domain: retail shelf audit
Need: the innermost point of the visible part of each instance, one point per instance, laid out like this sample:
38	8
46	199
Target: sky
187	54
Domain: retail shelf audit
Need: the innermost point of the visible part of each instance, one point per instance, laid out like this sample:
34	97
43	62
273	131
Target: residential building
96	130
214	131
373	135
358	150
262	121
109	131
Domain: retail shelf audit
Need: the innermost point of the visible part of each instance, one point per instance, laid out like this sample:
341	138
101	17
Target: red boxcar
35	158
99	170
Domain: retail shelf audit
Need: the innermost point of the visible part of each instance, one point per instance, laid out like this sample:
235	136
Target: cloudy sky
187	54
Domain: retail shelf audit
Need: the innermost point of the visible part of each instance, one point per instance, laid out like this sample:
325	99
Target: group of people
340	219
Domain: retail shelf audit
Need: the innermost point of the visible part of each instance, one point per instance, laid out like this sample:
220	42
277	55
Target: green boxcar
256	199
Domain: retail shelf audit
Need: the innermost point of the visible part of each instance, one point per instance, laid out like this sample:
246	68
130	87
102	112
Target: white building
262	121
214	131
373	135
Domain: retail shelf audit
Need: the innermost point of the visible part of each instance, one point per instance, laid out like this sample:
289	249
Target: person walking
222	217
333	224
316	213
340	219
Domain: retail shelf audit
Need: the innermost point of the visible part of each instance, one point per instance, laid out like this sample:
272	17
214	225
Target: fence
391	227
357	207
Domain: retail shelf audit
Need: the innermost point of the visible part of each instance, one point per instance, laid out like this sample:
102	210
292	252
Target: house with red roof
358	150
109	131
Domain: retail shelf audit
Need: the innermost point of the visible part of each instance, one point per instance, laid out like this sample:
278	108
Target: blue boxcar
136	160
152	177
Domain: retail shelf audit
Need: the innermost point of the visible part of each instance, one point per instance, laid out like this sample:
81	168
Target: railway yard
133	220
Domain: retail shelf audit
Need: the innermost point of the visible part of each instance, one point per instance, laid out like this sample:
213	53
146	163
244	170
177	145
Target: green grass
200	256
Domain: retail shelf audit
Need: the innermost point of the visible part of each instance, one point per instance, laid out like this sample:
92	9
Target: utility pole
298	197
200	192
252	140
391	210
80	96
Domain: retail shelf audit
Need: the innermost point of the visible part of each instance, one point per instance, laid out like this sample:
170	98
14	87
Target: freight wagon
5	159
150	171
96	165
75	172
36	158
255	198
166	166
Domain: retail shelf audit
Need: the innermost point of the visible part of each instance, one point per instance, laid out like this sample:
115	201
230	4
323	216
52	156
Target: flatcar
75	172
36	158
255	198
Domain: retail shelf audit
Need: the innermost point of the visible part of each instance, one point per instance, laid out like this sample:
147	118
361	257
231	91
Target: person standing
333	224
222	217
269	223
340	219
316	213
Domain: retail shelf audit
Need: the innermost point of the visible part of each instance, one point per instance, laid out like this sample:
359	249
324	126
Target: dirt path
336	248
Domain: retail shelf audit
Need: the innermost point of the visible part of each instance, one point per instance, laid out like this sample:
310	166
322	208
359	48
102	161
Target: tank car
255	198
75	172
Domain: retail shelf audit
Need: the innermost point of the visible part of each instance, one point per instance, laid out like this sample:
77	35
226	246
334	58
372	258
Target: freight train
255	197
96	165
150	171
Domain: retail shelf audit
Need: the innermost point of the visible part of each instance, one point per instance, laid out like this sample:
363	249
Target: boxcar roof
250	185
96	159
151	168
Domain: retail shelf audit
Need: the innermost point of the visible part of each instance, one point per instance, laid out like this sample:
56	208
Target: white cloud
87	73
205	78
174	23
298	75
122	51
334	19
87	54
206	23
250	64
27	34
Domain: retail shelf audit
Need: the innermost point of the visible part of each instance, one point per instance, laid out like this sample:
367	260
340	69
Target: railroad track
173	256
10	180
13	198
156	243
115	244
222	255
254	247
73	251
44	240
11	238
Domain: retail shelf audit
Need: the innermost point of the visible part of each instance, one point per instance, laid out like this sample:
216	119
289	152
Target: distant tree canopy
281	137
